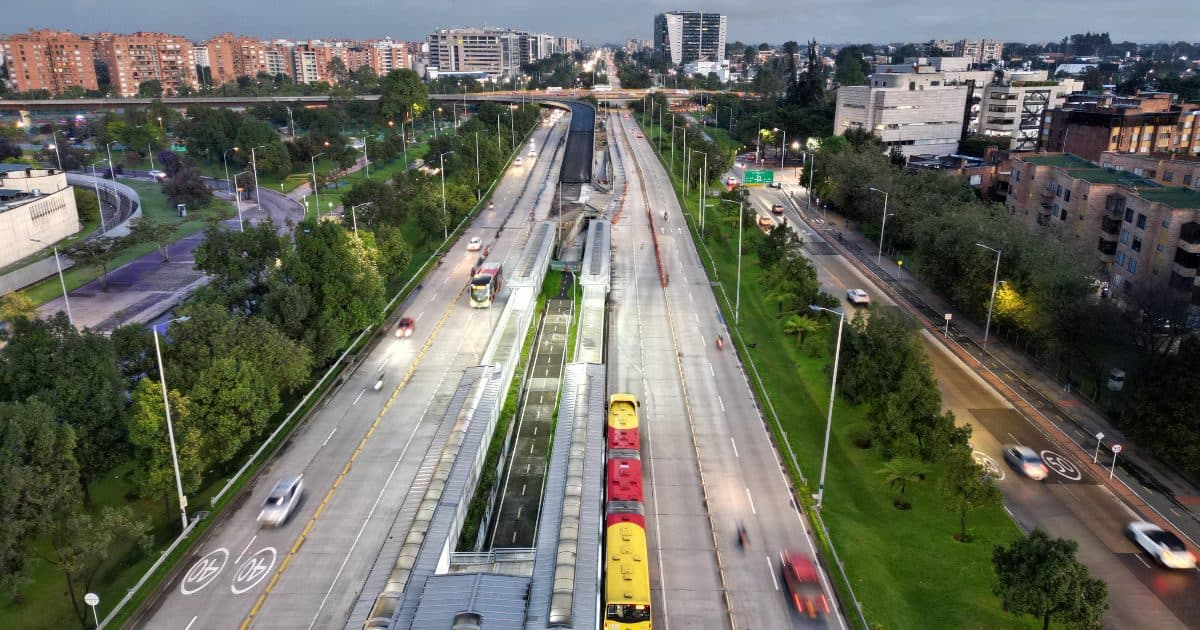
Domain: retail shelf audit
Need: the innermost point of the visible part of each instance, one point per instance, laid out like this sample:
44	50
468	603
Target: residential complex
48	60
495	53
140	57
1151	123
920	113
1144	230
979	50
1012	109
690	36
35	203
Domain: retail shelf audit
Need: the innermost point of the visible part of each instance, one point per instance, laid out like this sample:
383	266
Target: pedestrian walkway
1145	482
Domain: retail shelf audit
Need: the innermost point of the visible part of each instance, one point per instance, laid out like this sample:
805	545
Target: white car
1163	545
281	502
858	297
1025	460
519	161
475	244
158	176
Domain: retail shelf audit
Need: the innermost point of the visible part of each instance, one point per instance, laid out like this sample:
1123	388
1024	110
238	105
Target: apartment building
495	52
690	36
1012	109
980	50
918	113
1146	233
1155	123
142	56
48	60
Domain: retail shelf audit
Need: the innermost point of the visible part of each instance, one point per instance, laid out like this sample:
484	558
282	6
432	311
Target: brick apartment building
49	60
1143	229
140	57
1151	123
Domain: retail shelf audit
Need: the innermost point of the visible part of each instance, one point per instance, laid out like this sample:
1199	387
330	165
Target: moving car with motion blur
776	208
475	244
804	584
405	327
281	501
858	297
1026	461
1162	545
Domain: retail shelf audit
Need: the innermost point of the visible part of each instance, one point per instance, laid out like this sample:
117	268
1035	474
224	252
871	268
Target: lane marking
751	500
722	401
239	558
360	395
771	572
419	316
734	444
188	627
331	433
1141	559
710	369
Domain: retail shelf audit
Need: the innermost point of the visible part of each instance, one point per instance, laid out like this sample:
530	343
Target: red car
639	134
405	327
804	584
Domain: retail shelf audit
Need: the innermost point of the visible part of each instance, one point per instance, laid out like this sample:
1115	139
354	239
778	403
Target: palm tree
781	295
799	325
901	470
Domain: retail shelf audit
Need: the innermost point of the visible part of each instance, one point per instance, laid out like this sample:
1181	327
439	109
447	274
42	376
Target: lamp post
96	184
687	186
435	121
987	328
162	379
837	353
316	188
61	280
366	158
719	108
445	214
57	155
111	169
254	168
150	154
354	215
883	225
737	299
478	196
782	147
225	160
498	134
238	198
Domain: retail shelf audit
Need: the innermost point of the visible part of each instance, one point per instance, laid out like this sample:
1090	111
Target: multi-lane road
711	464
365	455
1070	503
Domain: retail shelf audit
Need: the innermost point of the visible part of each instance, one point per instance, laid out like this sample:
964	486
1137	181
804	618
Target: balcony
1182	283
1189	238
1114	204
1107	249
1110	226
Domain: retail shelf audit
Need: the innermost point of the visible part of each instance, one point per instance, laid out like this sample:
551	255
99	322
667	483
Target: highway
365	455
1070	503
710	463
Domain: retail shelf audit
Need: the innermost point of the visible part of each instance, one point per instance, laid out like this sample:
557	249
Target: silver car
281	501
1163	545
1025	460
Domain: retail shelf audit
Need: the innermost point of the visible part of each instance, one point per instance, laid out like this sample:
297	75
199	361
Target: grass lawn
905	566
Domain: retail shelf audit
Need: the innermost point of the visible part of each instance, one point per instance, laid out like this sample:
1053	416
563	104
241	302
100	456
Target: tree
240	262
134	348
1160	413
15	304
851	67
900	471
401	92
97	252
154	472
800	326
150	89
38	477
187	187
82	543
965	485
1040	576
393	252
147	230
337	70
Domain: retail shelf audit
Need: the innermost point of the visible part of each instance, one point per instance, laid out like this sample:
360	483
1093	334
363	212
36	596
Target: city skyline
831	21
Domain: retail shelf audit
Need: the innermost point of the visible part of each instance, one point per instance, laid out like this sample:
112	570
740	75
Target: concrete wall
48	218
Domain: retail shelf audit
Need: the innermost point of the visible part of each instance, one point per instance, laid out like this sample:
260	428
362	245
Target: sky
614	21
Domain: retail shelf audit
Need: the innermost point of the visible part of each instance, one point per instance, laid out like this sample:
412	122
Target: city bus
626	578
485	284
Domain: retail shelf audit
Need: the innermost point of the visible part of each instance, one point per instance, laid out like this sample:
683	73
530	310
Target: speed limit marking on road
1061	465
988	464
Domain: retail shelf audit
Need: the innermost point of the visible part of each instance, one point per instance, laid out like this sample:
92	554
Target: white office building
919	113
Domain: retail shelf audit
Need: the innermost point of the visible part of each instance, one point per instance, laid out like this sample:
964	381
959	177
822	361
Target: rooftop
1179	197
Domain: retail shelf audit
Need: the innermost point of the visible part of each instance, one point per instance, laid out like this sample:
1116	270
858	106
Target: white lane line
734	444
722	401
360	395
771	570
332	432
251	542
523	489
1142	560
751	500
697	316
519	508
710	369
419	316
189	626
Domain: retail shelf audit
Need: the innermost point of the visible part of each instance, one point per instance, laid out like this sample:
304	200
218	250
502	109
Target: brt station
543	570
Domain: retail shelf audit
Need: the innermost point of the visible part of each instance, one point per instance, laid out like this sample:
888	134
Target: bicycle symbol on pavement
204	571
253	570
1061	465
988	464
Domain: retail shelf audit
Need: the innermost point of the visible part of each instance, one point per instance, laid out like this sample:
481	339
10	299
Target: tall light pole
254	168
837	353
435	121
316	188
162	379
354	215
57	155
61	280
719	108
737	299
366	158
445	214
111	169
883	225
987	328
498	134
96	184
478	181
238	198
225	160
687	185
782	147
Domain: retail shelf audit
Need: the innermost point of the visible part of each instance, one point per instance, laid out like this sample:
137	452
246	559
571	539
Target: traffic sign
758	177
1116	448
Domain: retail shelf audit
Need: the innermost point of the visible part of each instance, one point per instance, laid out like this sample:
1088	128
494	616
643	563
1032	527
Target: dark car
777	208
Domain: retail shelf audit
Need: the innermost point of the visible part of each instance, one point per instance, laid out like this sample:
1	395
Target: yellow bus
626	578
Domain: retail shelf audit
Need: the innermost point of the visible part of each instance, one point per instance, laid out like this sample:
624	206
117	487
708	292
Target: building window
1067	195
1120	258
1063	215
1058	190
1187	179
1128	215
1136	245
1166	223
1124	237
1132	266
1141	222
1168	176
1158	247
1017	176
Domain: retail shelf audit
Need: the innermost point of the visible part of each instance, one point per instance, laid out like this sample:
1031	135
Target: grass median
904	566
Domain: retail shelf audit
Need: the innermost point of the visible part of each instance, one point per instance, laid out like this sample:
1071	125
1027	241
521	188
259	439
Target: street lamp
254	168
992	302
237	195
354	216
782	147
837	353
445	215
719	108
366	158
316	188
111	169
882	226
96	184
162	379
225	155
58	263
57	155
737	299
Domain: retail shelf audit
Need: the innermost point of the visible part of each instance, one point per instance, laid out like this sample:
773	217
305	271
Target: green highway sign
758	177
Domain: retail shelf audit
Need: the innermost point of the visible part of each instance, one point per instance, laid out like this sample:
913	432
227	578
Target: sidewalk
1144	479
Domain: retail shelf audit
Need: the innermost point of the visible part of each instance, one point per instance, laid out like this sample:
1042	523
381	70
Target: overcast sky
774	21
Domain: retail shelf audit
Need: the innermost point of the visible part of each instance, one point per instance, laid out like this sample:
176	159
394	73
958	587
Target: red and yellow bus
626	578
